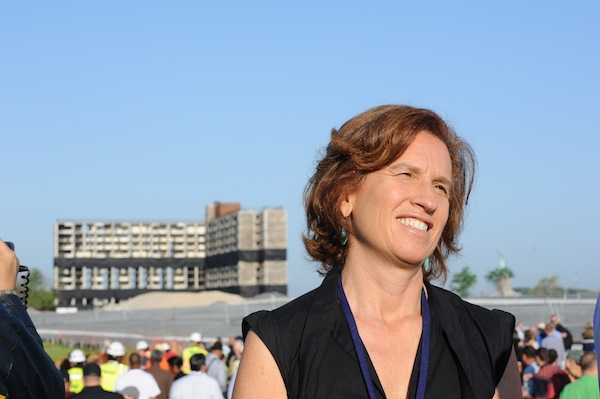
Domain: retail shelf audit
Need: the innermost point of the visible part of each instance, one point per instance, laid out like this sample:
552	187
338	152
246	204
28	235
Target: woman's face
398	213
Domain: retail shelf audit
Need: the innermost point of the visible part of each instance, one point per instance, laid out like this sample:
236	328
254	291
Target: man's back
584	388
96	393
217	370
143	381
163	378
196	385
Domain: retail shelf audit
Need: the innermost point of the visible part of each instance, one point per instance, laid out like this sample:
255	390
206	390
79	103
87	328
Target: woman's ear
346	206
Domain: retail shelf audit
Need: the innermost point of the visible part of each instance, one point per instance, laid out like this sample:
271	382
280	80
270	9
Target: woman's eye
442	188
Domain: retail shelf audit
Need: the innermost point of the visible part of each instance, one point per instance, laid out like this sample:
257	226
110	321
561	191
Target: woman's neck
378	292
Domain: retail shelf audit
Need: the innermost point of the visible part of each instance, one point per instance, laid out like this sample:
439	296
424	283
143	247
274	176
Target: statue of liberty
501	278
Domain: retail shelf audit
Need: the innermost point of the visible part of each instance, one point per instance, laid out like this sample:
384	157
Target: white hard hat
76	356
141	345
195	337
166	346
116	349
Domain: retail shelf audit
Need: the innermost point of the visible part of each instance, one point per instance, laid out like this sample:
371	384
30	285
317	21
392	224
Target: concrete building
237	251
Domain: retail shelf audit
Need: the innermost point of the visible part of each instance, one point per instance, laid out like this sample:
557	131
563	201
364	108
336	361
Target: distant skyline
149	111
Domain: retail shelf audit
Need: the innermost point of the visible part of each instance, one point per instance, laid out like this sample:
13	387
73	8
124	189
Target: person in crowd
165	347
91	385
130	393
565	334
230	342
597	328
114	367
550	380
588	338
163	378
196	346
76	361
196	384
215	367
231	386
519	329
530	368
143	349
572	365
233	360
136	377
93	358
175	364
384	209
541	333
553	340
65	376
26	370
530	339
63	367
585	387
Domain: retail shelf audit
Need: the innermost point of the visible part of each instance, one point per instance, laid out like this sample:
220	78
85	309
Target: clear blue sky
149	110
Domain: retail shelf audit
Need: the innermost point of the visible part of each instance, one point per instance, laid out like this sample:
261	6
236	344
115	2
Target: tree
548	286
463	281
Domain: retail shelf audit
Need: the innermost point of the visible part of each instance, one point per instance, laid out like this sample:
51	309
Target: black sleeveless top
310	340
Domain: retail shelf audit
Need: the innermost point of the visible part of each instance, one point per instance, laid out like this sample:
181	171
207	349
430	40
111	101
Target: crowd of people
551	366
199	371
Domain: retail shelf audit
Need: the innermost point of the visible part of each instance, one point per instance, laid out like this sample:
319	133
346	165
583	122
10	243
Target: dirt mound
157	300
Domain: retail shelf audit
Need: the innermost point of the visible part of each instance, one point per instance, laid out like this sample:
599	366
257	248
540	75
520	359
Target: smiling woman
384	210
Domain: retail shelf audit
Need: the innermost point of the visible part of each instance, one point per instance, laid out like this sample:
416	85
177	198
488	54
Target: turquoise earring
344	236
426	265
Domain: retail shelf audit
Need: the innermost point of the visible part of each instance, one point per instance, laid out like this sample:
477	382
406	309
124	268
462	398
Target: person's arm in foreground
26	371
509	386
258	375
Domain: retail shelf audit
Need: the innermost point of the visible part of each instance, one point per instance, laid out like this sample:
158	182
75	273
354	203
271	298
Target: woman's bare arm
258	375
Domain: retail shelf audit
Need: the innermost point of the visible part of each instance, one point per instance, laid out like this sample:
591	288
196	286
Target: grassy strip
57	352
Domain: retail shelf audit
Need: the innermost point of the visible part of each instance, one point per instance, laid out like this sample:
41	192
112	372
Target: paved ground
223	319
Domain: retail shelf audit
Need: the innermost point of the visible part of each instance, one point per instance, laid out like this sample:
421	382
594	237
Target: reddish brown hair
369	142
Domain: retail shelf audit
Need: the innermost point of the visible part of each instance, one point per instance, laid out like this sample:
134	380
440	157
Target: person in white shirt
197	384
136	377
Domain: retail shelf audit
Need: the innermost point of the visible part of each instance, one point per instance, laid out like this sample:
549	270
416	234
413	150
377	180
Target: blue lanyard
360	351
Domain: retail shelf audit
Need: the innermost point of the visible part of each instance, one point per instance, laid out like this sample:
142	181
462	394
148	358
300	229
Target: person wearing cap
197	384
165	348
215	365
77	360
143	349
114	367
26	370
196	347
136	377
92	375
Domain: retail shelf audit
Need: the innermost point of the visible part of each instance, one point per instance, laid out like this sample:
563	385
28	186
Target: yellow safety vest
188	353
110	371
76	379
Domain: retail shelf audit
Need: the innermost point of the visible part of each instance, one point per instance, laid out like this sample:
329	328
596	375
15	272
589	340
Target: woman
384	209
588	338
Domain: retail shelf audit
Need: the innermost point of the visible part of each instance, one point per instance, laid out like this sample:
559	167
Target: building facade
237	251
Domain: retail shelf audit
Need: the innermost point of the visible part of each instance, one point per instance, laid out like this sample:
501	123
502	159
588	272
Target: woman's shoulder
491	318
286	316
294	314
